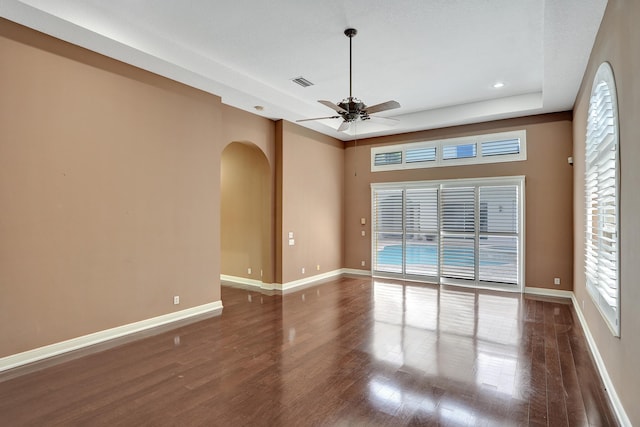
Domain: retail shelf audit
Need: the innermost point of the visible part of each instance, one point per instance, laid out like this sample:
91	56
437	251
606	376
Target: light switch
291	234
363	221
364	233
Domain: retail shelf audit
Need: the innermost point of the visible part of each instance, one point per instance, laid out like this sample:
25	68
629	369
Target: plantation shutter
501	148
601	240
458	220
498	246
421	231
456	232
388	230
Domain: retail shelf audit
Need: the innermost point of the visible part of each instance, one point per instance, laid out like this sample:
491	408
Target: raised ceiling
439	59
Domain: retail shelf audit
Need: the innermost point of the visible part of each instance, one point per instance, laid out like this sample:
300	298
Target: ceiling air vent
302	81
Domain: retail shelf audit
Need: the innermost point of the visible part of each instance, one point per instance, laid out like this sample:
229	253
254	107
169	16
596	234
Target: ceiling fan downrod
351	33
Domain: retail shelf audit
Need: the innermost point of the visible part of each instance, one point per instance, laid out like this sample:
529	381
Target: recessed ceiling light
498	85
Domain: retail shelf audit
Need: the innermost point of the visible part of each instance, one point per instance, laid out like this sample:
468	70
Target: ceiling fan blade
387	121
344	126
389	105
319	118
333	106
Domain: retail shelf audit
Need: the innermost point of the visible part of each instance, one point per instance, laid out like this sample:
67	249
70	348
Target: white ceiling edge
494	109
187	67
558	26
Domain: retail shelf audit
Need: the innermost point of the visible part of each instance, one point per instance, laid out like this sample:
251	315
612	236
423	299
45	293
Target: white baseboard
356	272
40	353
548	292
623	419
249	282
309	280
294	284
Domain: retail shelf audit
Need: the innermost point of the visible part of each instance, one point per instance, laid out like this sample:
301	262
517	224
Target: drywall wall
310	199
548	187
618	42
109	187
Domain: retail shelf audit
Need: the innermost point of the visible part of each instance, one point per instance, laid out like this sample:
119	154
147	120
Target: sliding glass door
466	232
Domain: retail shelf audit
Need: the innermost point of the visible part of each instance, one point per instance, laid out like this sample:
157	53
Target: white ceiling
438	58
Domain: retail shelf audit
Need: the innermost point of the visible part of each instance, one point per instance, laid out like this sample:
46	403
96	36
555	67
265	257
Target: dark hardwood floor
352	351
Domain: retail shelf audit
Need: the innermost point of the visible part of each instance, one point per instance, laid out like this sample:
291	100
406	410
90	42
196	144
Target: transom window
601	197
490	148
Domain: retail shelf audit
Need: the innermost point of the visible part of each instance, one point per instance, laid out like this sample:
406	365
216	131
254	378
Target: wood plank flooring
352	351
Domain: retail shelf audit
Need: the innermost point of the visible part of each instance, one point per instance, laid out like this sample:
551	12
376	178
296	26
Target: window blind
500	148
388	230
390	158
499	234
453	232
488	148
458	232
601	197
458	151
421	231
424	154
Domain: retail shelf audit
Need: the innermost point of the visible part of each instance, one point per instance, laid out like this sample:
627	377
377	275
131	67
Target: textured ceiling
438	58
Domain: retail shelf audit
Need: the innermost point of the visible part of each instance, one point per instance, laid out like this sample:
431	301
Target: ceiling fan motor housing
354	109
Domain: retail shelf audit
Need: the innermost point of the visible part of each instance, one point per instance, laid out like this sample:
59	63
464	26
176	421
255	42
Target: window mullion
476	240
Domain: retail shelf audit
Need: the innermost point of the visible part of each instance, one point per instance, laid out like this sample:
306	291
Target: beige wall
548	188
310	198
618	42
246	216
258	132
109	187
240	126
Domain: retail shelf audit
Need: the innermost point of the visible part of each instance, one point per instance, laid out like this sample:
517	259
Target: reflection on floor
353	351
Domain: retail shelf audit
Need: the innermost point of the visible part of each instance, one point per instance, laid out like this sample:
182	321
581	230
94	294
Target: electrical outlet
363	263
176	300
302	270
249	270
364	233
556	281
318	267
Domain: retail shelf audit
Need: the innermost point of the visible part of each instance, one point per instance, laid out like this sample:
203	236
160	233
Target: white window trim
506	180
611	317
439	144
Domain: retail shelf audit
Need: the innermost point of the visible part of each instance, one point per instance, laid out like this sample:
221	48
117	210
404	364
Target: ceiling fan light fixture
498	85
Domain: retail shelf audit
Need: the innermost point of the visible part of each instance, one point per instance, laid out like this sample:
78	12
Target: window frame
610	314
439	145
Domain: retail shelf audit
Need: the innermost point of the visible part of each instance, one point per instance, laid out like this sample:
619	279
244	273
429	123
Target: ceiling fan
352	109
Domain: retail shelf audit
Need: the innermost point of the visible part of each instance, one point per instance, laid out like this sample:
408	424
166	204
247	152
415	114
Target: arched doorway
246	219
